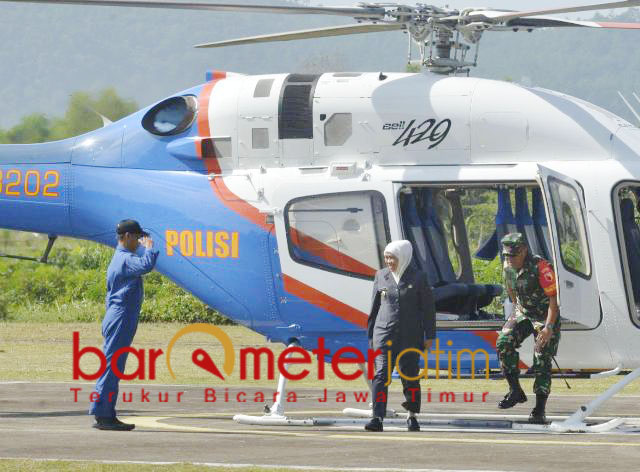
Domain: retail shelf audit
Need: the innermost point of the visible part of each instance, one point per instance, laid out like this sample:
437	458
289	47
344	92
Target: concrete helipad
43	420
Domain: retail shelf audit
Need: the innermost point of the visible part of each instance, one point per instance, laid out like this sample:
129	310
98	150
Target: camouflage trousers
510	339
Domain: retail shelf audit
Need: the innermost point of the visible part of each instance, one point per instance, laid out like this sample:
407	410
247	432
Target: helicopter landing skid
274	415
575	423
507	422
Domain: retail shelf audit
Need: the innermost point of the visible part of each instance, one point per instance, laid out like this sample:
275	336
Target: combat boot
412	424
374	425
516	394
537	415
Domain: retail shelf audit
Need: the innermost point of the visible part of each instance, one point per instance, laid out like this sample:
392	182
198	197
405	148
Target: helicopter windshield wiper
314	210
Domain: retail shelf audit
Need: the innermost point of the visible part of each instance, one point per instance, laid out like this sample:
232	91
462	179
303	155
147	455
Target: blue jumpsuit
123	301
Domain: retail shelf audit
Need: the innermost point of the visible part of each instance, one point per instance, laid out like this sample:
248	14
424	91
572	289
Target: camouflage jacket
532	286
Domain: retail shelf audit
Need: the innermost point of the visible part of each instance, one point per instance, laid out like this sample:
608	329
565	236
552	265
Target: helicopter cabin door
331	238
578	295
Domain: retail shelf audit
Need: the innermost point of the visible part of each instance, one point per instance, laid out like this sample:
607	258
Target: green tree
34	128
81	117
82	113
109	104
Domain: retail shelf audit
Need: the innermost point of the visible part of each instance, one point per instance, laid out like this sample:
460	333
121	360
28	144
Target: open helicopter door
578	295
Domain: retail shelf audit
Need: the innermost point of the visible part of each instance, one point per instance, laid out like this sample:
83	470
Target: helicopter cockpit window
171	116
337	129
572	235
344	232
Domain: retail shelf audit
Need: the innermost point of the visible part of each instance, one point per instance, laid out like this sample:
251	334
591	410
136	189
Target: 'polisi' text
210	244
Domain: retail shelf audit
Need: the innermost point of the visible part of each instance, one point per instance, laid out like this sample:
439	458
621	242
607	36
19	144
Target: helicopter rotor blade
551	22
629	106
505	16
309	33
364	12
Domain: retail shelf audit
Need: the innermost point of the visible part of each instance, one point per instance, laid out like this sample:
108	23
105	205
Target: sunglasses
512	255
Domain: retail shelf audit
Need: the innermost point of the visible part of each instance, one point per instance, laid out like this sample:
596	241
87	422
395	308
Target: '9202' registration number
30	183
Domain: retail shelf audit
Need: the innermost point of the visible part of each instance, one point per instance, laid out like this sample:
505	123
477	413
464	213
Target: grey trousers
411	388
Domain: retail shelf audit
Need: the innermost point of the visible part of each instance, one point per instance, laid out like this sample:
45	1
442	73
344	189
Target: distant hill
50	51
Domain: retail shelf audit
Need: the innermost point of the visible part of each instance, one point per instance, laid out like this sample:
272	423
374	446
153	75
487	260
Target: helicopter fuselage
272	197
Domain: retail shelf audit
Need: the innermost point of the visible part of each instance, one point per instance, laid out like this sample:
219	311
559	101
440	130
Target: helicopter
273	196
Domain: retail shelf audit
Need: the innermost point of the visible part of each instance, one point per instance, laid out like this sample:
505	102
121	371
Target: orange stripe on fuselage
204	131
236	204
327	303
226	196
327	253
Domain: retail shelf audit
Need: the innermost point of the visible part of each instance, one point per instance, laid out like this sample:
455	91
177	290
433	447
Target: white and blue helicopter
273	196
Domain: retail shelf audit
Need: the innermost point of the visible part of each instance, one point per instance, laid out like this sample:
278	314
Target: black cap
131	227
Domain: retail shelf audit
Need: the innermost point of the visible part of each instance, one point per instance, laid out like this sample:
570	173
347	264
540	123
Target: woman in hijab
402	317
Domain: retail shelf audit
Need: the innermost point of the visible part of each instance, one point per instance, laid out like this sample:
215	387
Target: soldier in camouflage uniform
531	284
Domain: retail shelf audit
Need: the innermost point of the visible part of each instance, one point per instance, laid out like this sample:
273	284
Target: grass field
43	352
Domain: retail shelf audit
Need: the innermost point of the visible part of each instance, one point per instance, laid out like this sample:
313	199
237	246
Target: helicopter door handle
568	283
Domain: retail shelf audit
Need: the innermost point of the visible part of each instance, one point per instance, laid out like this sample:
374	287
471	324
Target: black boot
112	424
516	394
412	424
537	415
374	425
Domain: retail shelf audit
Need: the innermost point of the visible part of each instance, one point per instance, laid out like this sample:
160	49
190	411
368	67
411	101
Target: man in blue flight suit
124	300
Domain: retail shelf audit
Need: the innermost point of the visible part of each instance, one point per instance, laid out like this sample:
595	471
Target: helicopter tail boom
34	192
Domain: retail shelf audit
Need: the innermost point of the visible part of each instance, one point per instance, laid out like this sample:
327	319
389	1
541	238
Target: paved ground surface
41	420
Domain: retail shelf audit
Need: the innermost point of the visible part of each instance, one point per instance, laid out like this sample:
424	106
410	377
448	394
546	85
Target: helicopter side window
171	116
572	235
344	232
337	129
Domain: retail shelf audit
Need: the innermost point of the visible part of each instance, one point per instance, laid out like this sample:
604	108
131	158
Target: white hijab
403	251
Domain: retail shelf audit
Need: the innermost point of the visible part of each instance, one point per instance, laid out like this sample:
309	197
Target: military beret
512	243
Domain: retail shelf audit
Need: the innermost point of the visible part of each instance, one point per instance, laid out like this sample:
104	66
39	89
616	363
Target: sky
53	58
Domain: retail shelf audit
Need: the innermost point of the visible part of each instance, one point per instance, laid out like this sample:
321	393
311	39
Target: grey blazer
404	313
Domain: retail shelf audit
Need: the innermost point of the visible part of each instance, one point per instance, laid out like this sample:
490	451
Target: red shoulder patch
547	278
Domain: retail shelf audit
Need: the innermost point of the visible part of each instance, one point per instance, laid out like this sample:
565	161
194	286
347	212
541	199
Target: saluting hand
147	242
